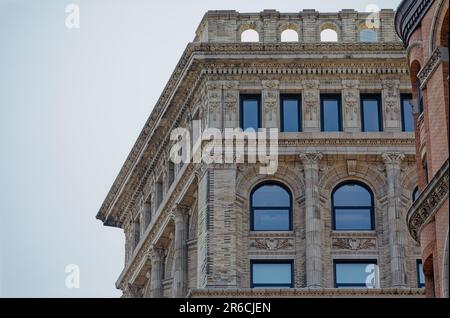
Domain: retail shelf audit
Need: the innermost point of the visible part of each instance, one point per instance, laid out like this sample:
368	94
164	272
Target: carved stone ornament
354	243
272	243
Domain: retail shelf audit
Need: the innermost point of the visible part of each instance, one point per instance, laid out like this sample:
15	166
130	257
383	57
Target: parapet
347	25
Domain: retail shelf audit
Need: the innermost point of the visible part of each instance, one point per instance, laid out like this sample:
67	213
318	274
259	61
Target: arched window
415	194
249	35
368	35
328	35
289	35
271	208
352	205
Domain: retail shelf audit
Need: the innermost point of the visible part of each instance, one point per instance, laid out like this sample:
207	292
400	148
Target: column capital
311	157
156	252
393	157
179	212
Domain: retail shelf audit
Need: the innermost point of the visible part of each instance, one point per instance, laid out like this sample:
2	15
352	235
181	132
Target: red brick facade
424	26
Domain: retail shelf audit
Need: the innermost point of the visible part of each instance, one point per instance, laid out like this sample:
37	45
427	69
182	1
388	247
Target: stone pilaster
348	22
231	104
312	220
351	109
309	18
311	105
391	105
214	101
179	284
156	287
396	220
270	101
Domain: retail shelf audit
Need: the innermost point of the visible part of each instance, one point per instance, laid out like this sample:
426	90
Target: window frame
243	97
377	97
419	284
298	98
404	97
252	208
372	207
351	261
271	261
323	97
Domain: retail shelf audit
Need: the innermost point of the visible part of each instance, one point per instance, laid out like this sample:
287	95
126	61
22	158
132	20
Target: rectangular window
352	219
250	112
420	274
275	273
356	274
137	232
371	112
407	112
330	110
159	193
171	174
291	117
147	211
271	219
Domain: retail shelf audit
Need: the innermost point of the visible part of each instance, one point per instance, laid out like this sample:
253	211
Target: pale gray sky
72	103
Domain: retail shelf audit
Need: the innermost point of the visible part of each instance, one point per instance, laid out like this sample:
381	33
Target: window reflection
352	207
271	208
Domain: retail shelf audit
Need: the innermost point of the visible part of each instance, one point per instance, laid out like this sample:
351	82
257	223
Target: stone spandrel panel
270	101
391	105
351	102
311	105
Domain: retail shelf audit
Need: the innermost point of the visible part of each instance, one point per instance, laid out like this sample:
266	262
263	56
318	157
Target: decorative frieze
272	244
429	201
439	55
354	243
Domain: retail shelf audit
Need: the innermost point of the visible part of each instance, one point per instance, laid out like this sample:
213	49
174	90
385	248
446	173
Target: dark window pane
353	219
250	113
290	115
421	275
272	274
271	195
356	274
371	120
407	113
415	194
330	115
352	195
271	220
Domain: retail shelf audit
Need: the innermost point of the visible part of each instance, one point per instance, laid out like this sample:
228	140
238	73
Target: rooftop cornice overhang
429	201
196	53
307	292
408	16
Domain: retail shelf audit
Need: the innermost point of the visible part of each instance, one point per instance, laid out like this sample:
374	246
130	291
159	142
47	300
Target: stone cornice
440	54
189	58
429	201
306	292
409	15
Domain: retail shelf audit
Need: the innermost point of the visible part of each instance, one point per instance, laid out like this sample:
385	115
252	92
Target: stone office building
423	26
331	220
